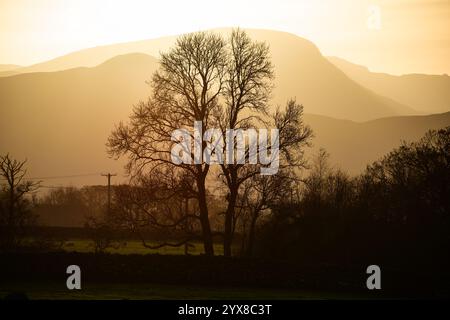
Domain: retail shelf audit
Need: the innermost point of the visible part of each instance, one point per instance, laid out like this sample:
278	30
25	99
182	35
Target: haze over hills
60	121
92	57
301	72
424	93
353	145
8	67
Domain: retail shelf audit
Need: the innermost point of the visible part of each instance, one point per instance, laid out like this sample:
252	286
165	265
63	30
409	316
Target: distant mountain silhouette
353	145
424	93
60	120
8	68
301	72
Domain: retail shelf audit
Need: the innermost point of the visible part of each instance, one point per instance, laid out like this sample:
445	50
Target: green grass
136	247
158	291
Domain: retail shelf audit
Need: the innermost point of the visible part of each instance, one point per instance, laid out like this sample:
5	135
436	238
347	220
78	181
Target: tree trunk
251	234
229	214
204	218
186	212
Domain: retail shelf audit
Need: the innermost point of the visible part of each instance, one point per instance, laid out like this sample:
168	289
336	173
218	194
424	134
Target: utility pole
109	175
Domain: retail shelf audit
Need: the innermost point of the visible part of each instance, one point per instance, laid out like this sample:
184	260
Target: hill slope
353	145
301	72
8	67
425	93
60	121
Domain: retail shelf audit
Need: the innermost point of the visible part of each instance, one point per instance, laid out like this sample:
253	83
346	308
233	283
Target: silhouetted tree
222	85
293	137
158	203
15	203
260	194
70	206
186	88
247	93
413	180
103	232
397	211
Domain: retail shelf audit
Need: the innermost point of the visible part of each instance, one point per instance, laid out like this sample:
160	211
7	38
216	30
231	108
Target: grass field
136	247
158	291
42	275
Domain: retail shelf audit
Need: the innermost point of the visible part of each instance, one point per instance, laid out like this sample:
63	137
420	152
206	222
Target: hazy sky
409	36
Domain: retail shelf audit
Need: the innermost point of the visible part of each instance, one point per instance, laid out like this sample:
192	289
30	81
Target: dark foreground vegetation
397	211
32	270
320	238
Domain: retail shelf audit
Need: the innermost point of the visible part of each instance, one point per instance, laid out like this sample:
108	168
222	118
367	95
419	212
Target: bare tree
247	93
158	203
261	194
222	85
293	137
185	89
15	212
103	233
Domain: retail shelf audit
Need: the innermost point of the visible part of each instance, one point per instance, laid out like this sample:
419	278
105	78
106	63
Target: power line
65	186
68	176
61	177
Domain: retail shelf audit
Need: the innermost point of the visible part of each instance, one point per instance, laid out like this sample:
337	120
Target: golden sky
409	35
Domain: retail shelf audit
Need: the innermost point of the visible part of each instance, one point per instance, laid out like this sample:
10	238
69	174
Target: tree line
398	209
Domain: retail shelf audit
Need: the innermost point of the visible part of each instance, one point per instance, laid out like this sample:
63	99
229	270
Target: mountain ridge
425	93
65	118
300	68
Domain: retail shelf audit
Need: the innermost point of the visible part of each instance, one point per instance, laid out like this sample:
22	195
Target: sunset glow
414	35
